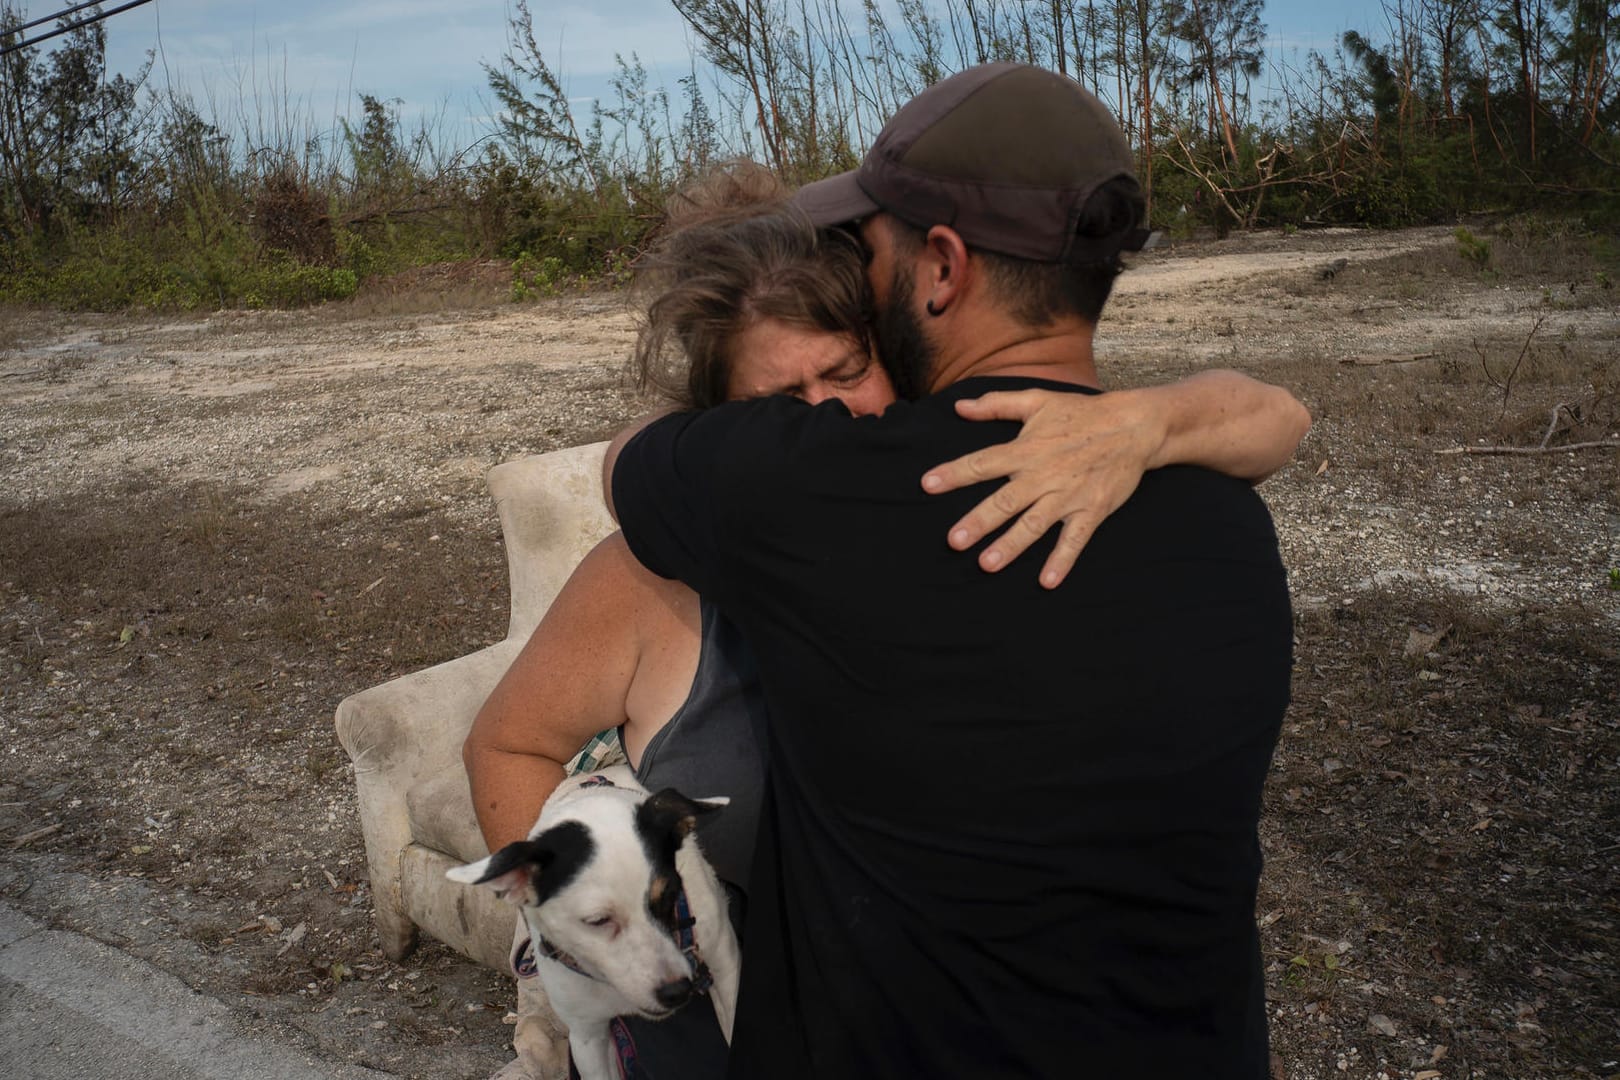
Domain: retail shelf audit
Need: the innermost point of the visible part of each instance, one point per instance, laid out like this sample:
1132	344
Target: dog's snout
675	993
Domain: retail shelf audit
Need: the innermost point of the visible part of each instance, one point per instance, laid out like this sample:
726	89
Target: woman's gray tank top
711	747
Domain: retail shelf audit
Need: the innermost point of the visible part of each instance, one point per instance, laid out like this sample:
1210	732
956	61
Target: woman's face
777	357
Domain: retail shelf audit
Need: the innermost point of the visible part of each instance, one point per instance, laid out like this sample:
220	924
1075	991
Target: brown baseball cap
1005	154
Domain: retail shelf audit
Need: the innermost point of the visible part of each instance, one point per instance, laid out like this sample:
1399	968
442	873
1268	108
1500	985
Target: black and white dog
625	914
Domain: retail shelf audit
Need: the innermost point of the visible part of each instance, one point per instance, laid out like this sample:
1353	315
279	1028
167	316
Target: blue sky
319	56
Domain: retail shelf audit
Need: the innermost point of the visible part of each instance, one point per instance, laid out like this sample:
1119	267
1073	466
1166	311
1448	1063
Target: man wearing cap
1052	872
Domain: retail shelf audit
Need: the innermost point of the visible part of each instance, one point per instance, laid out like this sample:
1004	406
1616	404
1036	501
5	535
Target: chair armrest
413	726
396	735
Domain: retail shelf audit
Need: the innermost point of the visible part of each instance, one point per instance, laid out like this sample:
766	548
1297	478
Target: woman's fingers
1080	521
1076	461
1030	526
1077	530
1017	405
989	463
1017	496
993	462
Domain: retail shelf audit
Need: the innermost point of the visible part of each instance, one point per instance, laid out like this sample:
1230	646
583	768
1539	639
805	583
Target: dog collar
686	941
551	952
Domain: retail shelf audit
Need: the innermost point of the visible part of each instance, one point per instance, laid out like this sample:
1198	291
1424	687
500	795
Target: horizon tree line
1452	106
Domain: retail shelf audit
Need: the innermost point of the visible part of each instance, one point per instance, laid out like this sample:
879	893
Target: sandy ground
216	527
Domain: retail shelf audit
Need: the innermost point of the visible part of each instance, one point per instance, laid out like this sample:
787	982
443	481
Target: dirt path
212	529
1181	272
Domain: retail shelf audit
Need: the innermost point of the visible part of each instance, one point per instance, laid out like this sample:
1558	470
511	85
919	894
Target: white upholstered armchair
404	737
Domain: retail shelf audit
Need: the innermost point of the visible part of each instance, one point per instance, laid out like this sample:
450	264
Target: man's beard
903	348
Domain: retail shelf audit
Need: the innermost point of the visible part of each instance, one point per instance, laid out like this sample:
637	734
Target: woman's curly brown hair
737	252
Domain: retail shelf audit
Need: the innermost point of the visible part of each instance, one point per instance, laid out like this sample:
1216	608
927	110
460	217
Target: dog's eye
600	920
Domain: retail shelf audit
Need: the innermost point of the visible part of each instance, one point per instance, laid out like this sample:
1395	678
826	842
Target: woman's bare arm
571	680
1079	457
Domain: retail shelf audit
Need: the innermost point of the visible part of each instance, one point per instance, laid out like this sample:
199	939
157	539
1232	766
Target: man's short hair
1039	293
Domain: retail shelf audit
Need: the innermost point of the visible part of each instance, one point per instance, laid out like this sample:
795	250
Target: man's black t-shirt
1010	832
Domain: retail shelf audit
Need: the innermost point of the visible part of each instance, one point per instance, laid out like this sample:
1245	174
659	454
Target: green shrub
1473	249
286	283
165	269
383	246
532	276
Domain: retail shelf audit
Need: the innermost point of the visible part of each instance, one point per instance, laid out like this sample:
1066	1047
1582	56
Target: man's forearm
1226	421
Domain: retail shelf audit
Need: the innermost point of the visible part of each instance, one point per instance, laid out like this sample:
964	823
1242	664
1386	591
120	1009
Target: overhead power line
48	18
86	21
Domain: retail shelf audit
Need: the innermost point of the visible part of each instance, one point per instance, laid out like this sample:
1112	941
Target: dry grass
13	320
1455	799
433	289
204	565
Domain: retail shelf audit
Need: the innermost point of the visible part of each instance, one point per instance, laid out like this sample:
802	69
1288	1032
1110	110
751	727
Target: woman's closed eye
851	373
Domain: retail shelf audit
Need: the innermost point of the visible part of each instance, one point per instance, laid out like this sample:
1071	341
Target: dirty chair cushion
441	815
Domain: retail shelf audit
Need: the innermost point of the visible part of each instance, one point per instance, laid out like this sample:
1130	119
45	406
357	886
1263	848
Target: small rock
1382	1025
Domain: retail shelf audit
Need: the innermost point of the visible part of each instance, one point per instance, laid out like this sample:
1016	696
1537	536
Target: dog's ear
529	872
664	821
510	872
669	813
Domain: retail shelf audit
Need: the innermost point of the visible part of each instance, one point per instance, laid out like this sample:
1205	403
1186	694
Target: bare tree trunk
1522	33
1445	26
1144	27
1485	90
17	151
1597	82
980	56
1057	37
1216	98
1579	69
1096	52
1408	69
773	84
812	141
1027	32
1120	67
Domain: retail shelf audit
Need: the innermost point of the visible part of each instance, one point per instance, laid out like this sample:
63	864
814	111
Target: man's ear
945	261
